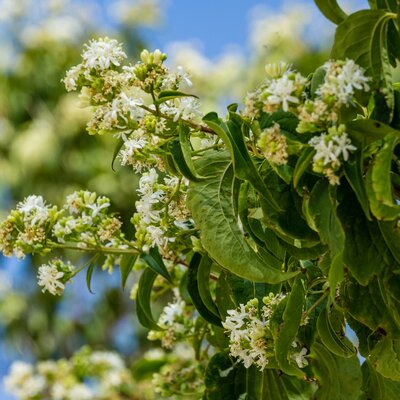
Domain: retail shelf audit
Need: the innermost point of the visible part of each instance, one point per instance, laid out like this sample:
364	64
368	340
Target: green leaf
317	80
302	164
287	329
203	280
366	253
375	386
224	296
353	170
366	131
167	95
322	209
181	153
272	384
221	378
338	378
143	299
380	176
193	289
367	304
126	265
210	202
118	147
391	233
243	165
243	290
390	5
330	326
361	37
156	263
89	273
378	182
331	10
385	358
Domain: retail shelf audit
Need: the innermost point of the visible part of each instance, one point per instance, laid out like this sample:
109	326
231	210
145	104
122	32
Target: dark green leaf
331	325
367	304
220	378
366	253
366	131
224	297
271	384
287	330
118	147
143	299
193	289
356	36
385	358
353	170
181	153
243	165
125	267
391	233
338	378
203	280
322	209
302	164
211	205
156	263
375	386
331	10
89	273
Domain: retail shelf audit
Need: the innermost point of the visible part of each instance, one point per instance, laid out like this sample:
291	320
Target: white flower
98	206
281	91
131	105
171	312
325	150
49	277
330	150
80	392
102	53
187	108
22	382
300	358
107	359
157	236
343	145
71	77
341	79
34	210
184	76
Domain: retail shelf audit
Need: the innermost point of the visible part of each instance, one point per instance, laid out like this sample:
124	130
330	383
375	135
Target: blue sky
215	24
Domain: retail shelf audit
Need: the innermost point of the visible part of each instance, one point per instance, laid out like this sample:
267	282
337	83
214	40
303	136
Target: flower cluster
26	228
53	276
330	150
177	322
283	89
88	375
35	227
161	212
317	113
84	222
251	339
133	102
273	145
341	80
